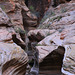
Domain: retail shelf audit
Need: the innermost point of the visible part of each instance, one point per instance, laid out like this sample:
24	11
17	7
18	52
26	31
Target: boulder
13	60
39	34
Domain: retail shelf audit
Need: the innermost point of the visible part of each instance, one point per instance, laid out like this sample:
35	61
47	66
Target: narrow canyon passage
37	37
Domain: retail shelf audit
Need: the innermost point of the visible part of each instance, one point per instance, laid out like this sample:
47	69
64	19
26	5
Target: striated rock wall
13	59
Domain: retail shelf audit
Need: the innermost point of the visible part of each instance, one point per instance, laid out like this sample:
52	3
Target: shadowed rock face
26	2
53	62
38	34
40	9
43	6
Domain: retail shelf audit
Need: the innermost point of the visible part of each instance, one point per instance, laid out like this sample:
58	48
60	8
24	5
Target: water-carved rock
13	60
